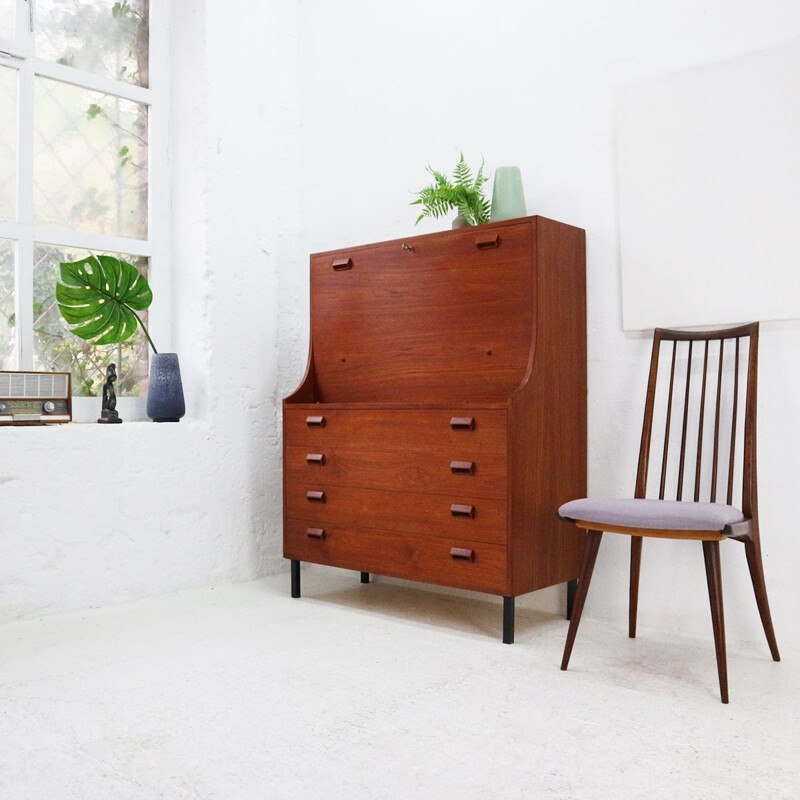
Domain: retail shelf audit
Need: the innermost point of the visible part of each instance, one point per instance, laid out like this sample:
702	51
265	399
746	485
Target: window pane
106	37
8	358
90	160
7	19
54	347
8	143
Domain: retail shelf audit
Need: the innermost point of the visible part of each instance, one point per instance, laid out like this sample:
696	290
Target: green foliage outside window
112	40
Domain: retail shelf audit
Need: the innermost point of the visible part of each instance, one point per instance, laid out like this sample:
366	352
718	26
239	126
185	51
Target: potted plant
99	296
463	193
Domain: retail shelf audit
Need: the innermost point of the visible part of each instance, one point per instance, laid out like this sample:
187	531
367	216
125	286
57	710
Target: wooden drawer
473	565
479	519
460	472
460	434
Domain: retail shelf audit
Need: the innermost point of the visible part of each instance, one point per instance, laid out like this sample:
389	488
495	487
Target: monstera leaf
100	296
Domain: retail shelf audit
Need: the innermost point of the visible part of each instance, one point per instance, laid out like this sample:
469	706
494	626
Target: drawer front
460	563
461	434
461	472
479	519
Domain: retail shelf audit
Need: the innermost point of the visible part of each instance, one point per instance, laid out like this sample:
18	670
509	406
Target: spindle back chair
700	420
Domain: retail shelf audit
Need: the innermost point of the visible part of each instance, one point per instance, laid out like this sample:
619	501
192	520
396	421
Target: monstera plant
100	295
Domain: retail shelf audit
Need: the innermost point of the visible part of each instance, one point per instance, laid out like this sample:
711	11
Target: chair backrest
701	445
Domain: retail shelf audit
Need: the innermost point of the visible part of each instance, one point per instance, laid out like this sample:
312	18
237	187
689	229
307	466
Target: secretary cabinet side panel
547	416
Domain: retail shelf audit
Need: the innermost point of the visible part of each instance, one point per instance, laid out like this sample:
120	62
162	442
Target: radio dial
48	407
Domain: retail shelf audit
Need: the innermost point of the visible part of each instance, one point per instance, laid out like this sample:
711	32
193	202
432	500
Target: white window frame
156	247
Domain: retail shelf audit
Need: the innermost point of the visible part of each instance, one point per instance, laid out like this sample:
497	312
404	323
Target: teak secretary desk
442	417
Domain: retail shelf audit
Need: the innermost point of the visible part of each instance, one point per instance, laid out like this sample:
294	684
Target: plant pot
165	394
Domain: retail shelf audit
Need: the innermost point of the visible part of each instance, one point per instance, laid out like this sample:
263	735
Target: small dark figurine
109	413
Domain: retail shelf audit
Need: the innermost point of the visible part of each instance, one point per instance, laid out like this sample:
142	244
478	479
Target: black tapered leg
365	577
753	550
295	578
571	587
589	557
633	594
714	577
508	620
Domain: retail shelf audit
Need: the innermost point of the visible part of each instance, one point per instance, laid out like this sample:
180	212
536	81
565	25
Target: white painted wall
302	126
93	515
533	84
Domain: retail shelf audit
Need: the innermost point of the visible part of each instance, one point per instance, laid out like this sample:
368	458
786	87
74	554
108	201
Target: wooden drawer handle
462	423
315	497
457	510
315	533
315	458
488	242
462	467
315	422
462	554
343	263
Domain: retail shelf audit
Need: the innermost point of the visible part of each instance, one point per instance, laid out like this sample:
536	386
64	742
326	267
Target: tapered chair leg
752	549
590	556
633	596
571	588
714	578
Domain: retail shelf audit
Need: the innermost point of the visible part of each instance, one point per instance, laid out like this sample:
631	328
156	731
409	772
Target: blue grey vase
165	395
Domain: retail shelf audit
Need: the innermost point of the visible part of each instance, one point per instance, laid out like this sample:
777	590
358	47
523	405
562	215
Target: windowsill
7	431
75	447
184	423
127	421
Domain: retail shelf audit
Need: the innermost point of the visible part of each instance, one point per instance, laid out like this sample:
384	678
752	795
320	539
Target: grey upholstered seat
655	514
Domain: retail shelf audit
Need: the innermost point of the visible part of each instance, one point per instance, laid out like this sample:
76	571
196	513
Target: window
82	168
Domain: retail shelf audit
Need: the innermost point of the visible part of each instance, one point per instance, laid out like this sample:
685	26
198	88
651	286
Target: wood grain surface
401	555
463	348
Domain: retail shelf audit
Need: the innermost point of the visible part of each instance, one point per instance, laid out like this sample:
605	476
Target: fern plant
463	192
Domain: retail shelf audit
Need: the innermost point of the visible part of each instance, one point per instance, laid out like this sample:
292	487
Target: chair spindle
713	494
734	411
668	422
682	462
699	465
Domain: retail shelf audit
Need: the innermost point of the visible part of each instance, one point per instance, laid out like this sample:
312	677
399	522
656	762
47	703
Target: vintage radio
35	398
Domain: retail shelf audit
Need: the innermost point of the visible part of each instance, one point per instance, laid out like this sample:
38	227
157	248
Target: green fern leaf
462	174
480	178
485	210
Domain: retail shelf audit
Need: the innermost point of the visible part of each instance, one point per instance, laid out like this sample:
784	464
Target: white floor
379	691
